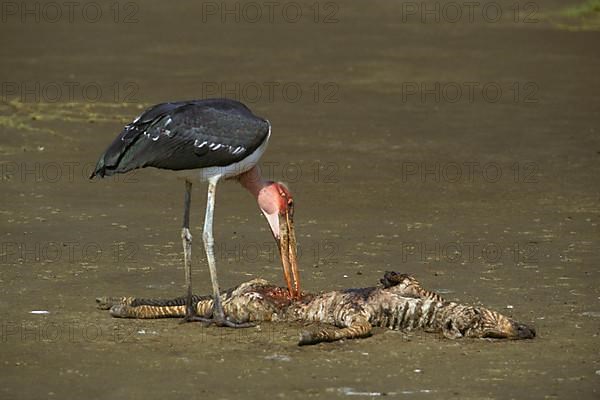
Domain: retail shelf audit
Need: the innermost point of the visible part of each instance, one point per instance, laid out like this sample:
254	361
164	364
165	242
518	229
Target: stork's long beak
288	252
282	227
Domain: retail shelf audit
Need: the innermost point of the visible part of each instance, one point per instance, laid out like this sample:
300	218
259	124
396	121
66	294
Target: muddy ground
489	195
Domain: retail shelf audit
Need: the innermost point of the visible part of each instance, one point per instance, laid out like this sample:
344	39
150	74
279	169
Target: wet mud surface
488	198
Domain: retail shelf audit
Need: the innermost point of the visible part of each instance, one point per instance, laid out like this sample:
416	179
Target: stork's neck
253	181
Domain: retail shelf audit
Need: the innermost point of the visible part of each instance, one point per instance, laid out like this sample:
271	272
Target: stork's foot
220	322
218	318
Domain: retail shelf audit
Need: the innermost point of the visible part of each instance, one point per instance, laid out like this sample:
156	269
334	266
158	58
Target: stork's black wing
185	135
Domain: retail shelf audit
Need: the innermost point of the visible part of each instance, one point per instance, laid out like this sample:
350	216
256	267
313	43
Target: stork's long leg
209	244
218	315
186	238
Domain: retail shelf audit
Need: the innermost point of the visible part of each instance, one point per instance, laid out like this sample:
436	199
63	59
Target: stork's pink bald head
277	205
275	201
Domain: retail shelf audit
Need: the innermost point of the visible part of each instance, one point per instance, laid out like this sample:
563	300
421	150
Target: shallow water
492	199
